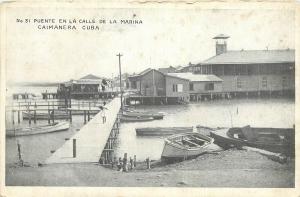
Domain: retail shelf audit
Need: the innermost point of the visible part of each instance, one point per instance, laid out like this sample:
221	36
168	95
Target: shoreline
230	168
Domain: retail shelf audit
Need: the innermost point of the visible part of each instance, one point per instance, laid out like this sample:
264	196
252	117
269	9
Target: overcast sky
165	38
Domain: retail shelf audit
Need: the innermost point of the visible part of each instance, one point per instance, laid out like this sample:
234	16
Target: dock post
134	161
20	155
74	148
29	117
49	116
70	114
148	163
13	117
84	116
88	115
131	163
125	163
34	116
53	116
19	116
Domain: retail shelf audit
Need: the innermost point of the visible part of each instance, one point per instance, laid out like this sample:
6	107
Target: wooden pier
94	141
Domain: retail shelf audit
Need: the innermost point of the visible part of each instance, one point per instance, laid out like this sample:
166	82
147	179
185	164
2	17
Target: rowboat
279	140
57	126
184	146
45	116
133	113
135	119
161	131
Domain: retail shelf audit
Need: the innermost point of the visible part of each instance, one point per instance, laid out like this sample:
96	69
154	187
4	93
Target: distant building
153	84
88	86
250	71
201	84
170	69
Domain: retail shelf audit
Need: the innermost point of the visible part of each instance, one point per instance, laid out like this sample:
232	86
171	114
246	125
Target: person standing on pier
102	108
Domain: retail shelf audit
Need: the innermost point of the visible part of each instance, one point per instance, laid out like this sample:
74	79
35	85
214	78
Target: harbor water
217	113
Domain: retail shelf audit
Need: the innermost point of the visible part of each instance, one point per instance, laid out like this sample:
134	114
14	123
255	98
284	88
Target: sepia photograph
148	96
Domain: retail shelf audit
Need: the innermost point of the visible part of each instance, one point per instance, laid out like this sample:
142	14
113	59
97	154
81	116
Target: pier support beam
74	148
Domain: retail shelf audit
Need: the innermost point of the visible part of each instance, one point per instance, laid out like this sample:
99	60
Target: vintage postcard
148	99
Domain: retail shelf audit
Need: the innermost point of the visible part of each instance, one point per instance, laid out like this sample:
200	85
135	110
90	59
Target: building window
264	83
177	87
180	87
239	83
174	87
191	87
209	86
133	85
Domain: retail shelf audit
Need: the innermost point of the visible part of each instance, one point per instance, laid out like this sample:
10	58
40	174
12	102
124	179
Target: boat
185	146
57	126
279	140
133	113
135	119
45	116
161	131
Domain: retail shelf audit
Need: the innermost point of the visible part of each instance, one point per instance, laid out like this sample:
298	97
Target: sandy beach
230	168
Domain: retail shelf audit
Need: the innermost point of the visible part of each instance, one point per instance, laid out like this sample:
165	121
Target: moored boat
279	140
161	131
185	146
135	119
45	116
57	126
133	113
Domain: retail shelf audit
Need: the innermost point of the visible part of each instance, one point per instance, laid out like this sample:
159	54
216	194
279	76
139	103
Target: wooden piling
49	116
20	154
84	114
148	163
19	117
70	115
29	120
74	148
134	160
53	116
125	163
34	116
13	117
88	115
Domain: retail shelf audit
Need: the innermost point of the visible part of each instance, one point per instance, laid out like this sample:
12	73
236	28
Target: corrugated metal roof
195	77
253	56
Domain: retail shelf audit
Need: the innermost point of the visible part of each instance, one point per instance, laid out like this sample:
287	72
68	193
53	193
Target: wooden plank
90	139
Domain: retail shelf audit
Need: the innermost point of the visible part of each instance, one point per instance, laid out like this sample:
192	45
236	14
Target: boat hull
156	116
45	116
61	126
286	146
162	131
177	152
135	119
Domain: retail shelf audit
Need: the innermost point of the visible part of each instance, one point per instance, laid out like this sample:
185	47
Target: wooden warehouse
251	72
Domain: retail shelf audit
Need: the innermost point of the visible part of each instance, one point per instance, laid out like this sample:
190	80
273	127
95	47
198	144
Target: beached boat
57	126
133	113
161	131
135	119
280	140
185	146
45	116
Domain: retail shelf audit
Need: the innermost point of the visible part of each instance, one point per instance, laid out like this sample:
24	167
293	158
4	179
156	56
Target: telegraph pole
119	55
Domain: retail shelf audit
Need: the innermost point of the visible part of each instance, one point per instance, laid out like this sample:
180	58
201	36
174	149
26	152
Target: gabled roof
253	57
167	70
90	76
195	77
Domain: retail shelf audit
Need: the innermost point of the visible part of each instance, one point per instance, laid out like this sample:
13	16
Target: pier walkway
91	139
